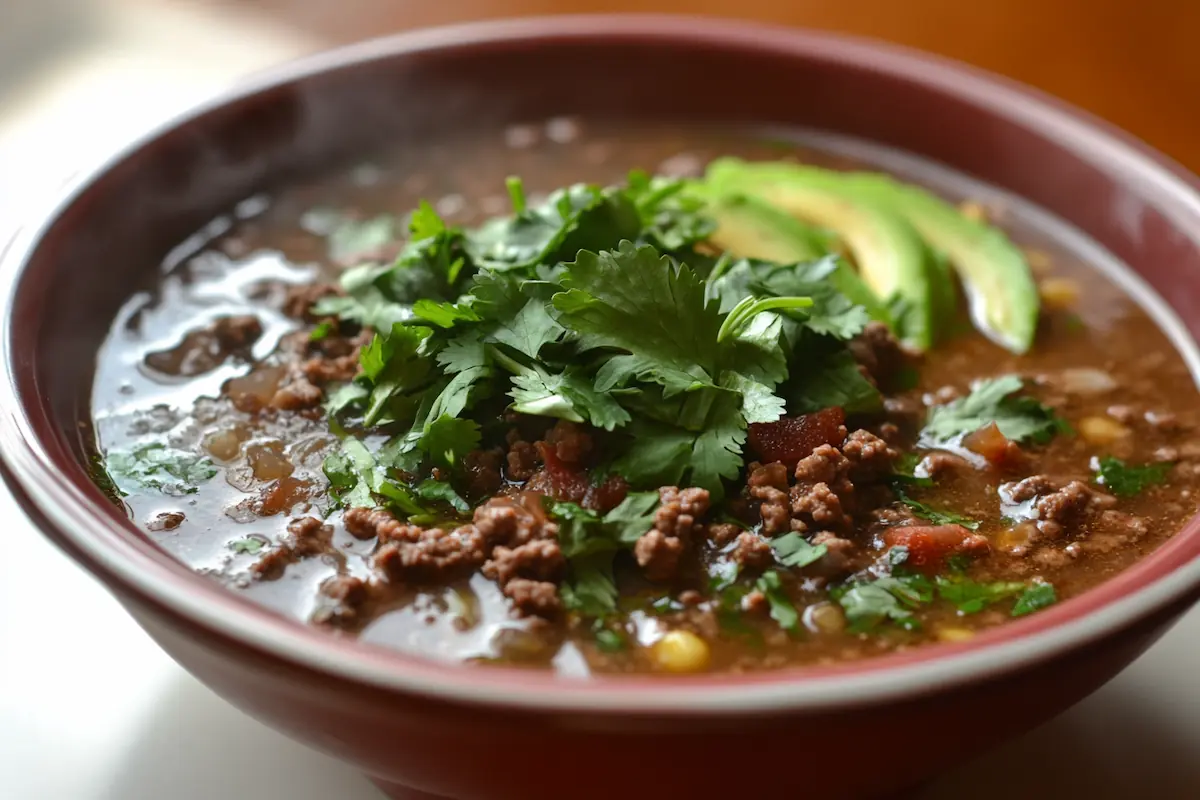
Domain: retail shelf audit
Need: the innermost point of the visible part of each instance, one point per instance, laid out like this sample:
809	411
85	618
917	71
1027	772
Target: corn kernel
1039	261
1059	293
824	618
954	634
1018	537
1101	431
681	651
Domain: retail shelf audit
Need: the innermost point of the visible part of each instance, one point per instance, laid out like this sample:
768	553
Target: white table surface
90	709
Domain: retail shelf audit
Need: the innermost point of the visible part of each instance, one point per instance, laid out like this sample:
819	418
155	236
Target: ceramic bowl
853	730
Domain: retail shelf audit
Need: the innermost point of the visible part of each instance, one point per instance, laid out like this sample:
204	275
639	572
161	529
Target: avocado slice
750	228
1001	293
890	255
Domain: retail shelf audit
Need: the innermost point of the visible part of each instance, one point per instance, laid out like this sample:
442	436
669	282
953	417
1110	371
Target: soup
769	407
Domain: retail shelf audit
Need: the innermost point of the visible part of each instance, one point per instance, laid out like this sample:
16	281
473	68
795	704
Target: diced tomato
929	545
994	446
790	439
607	495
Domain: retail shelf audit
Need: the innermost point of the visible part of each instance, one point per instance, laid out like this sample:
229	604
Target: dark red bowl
843	731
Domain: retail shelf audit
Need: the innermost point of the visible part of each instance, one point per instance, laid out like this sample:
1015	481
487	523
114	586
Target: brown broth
265	240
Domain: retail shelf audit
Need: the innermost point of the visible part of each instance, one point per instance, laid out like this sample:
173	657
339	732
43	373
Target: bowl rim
123	561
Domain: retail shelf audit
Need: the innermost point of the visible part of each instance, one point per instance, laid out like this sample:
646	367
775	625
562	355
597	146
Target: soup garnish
674	424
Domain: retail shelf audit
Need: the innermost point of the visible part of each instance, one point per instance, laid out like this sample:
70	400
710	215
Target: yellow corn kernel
1059	294
973	211
681	651
1101	431
1018	537
825	618
954	634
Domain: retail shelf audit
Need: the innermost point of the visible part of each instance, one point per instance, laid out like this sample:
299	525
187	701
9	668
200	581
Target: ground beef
331	370
1058	508
342	602
768	484
306	537
534	598
539	559
937	464
870	457
825	465
817	507
437	556
207	348
879	354
298	394
676	524
839	555
658	554
571	442
483	472
298	301
768	475
522	460
722	533
513	522
752	552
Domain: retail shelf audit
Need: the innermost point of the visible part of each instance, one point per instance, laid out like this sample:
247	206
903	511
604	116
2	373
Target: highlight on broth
775	413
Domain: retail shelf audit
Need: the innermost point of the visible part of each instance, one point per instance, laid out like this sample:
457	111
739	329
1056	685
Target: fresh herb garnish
250	545
793	550
936	516
321	331
904	471
972	597
782	609
1035	598
156	466
1019	418
1125	480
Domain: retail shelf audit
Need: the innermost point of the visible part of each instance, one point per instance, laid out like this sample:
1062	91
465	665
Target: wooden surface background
1134	62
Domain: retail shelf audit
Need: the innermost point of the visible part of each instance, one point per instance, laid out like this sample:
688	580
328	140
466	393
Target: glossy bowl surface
408	721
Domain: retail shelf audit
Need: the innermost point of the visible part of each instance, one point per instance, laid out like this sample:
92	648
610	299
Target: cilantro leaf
447	440
866	605
464	352
249	545
353	239
972	597
829	380
1035	598
759	403
444	315
717	452
590	590
391	366
1019	418
793	550
156	466
1125	480
529	330
782	609
937	517
443	491
657	455
566	395
584	532
639	301
904	471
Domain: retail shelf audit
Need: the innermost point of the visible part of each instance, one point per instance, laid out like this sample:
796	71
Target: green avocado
1001	293
750	228
890	255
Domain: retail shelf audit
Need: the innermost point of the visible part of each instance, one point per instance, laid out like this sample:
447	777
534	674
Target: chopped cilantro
1126	480
443	491
250	545
793	550
321	331
936	516
782	609
156	466
904	471
971	597
866	605
609	641
590	589
1020	418
1035	598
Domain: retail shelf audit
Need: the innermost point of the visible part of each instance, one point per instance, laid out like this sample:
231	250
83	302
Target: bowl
415	726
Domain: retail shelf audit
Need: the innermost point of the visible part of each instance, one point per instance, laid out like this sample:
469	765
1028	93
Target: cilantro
904	471
1125	480
972	597
250	545
995	400
833	379
583	532
516	193
936	516
722	575
1035	598
609	641
590	590
529	330
322	331
793	550
443	491
782	609
156	466
567	395
447	440
444	315
869	603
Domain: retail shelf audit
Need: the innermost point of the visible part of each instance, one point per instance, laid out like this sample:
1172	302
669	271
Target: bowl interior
122	222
